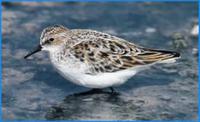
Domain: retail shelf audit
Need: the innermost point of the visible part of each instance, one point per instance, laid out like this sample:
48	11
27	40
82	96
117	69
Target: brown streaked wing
105	55
108	55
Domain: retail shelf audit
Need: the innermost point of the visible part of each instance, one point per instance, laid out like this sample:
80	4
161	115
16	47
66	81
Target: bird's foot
92	91
97	91
113	91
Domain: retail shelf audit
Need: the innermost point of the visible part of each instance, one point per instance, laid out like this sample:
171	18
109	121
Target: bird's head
51	39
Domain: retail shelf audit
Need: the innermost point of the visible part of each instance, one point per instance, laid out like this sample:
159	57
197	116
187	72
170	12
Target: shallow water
34	90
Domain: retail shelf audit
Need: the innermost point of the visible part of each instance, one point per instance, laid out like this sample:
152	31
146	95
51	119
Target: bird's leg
112	90
96	91
92	91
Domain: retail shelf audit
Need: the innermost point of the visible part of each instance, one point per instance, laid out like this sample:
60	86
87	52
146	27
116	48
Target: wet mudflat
32	89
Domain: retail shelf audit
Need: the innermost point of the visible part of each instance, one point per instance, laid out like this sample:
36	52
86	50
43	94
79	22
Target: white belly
76	75
75	72
107	79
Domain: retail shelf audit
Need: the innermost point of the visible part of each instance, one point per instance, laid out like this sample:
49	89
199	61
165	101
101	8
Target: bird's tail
158	56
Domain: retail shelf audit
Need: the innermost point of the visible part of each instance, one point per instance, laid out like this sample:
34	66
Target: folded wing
110	55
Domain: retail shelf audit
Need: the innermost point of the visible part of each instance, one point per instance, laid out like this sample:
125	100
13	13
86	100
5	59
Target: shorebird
95	59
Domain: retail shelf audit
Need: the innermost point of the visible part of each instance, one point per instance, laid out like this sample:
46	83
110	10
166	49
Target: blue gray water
32	89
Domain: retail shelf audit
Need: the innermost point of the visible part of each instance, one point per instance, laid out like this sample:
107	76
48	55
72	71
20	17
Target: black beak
39	48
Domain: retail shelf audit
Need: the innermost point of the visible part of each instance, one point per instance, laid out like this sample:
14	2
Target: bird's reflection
96	104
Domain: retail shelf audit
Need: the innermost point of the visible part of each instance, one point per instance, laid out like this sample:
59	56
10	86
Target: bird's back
105	53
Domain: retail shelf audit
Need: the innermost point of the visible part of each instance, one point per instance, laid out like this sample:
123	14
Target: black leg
97	91
112	90
92	91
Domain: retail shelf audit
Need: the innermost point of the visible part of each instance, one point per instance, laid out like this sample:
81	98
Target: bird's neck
55	52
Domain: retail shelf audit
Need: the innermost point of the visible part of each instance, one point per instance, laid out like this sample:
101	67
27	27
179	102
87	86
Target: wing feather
113	54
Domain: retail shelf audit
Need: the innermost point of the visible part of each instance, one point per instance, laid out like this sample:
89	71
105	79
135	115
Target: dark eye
51	39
